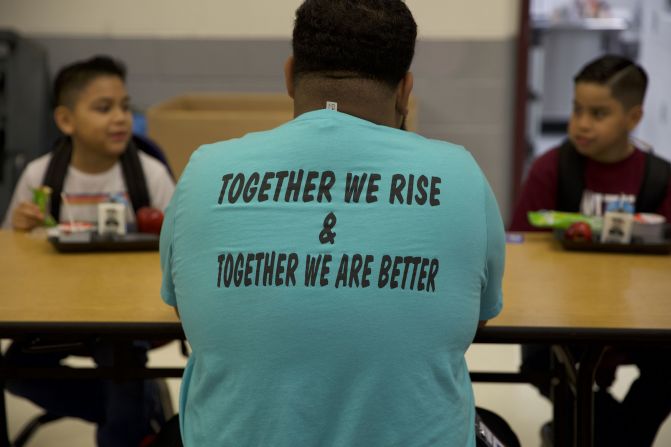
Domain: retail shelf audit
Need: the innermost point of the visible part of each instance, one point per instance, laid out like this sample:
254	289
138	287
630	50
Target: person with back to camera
331	273
94	161
596	161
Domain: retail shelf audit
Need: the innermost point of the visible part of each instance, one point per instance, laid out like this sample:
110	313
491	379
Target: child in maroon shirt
607	106
598	160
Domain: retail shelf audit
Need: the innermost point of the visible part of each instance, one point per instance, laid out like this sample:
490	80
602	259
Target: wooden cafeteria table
112	296
551	296
556	297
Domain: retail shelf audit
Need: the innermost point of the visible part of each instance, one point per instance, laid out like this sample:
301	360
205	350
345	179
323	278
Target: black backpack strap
131	167
54	176
570	178
655	184
133	175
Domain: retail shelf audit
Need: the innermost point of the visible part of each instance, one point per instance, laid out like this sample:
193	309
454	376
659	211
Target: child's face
101	121
599	126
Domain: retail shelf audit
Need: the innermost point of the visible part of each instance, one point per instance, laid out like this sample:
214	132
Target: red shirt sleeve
539	191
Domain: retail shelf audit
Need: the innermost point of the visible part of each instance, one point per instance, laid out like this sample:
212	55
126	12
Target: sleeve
165	249
30	178
168	230
159	182
538	193
491	300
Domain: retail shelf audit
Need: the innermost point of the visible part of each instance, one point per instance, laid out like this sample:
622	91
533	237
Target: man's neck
89	161
360	97
344	106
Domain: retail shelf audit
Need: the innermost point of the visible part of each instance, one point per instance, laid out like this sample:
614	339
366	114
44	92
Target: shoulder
438	145
539	189
429	150
36	169
656	158
546	163
159	181
152	166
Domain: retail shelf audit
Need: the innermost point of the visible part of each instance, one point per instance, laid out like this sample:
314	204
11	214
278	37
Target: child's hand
27	216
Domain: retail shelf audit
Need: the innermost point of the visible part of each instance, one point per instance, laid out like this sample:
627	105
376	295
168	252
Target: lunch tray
662	248
92	242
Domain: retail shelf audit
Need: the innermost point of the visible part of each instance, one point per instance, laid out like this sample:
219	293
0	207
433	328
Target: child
596	161
95	161
599	159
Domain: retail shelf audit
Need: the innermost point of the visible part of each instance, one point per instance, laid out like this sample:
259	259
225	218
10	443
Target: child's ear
64	120
634	116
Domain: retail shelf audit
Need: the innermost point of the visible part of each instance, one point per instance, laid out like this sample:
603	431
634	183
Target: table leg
563	396
585	395
4	436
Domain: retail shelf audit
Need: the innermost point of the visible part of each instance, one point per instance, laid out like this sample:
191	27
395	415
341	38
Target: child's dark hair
72	78
372	39
627	81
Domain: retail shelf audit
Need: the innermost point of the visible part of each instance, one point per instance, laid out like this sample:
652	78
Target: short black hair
372	39
627	81
74	77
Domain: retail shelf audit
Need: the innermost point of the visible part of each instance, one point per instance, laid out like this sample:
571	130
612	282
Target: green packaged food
42	198
562	220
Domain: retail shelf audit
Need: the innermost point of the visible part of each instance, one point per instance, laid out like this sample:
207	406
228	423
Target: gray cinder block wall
465	88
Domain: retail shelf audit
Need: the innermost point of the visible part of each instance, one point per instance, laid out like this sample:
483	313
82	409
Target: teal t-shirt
330	275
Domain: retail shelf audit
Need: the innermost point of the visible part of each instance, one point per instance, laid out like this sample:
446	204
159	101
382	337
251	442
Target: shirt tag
330	105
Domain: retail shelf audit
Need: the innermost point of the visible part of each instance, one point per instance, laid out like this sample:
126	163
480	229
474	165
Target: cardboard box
182	124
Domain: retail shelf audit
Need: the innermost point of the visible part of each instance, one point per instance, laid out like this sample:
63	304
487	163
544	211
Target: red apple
579	232
149	220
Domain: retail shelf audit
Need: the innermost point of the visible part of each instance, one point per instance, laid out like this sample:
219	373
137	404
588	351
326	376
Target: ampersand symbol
326	235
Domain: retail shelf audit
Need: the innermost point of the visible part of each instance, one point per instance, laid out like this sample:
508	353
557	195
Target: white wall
437	19
656	59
